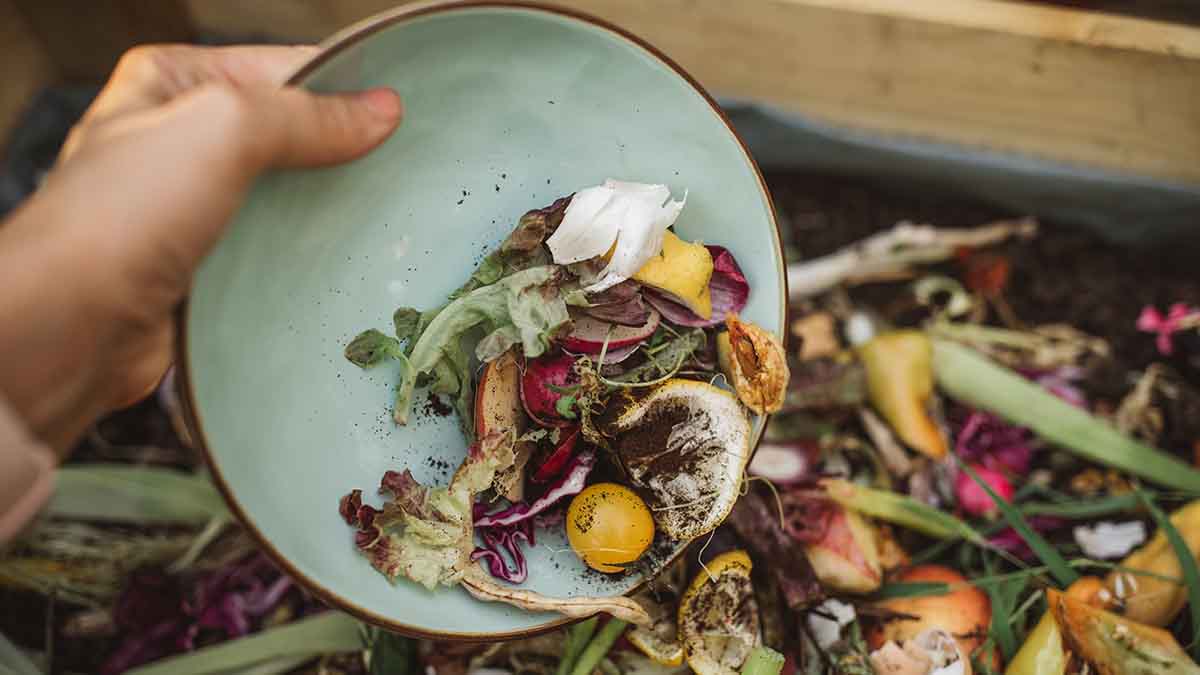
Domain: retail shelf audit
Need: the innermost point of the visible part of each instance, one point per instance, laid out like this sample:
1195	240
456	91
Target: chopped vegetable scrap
596	331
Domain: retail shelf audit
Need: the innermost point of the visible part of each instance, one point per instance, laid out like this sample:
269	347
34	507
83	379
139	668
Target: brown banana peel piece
754	362
1148	599
1112	645
899	369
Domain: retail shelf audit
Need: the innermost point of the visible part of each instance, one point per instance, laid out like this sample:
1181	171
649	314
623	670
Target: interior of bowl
507	108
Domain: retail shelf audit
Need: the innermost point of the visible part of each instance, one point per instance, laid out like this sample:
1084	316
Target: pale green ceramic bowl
508	106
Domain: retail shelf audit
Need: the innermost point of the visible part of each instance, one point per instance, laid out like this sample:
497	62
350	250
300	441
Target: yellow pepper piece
682	269
1042	652
1147	599
900	384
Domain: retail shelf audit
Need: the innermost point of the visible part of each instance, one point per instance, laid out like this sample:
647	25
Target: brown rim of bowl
330	47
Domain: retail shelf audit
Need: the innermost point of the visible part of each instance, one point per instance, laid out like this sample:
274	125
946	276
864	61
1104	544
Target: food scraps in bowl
582	357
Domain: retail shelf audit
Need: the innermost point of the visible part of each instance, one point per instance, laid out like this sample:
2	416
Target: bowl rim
330	48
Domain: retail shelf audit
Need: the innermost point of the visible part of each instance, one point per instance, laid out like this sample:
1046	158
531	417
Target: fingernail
383	103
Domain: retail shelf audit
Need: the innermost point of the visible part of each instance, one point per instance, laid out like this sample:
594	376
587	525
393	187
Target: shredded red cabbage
994	443
504	539
728	287
159	617
572	482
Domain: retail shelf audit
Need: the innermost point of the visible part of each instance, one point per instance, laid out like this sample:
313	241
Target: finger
292	127
151	75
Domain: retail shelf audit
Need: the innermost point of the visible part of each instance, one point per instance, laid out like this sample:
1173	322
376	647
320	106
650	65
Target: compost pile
986	463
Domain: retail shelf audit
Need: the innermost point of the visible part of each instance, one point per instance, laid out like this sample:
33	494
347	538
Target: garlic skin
827	632
1107	540
933	652
630	219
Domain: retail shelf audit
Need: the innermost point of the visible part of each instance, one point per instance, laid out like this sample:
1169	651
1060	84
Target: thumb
292	127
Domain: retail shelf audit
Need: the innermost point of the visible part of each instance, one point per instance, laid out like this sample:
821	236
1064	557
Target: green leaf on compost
393	654
911	589
326	633
123	493
1082	510
1045	552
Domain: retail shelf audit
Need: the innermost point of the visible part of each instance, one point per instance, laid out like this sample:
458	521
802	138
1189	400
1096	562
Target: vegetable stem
900	510
973	378
763	661
577	638
599	646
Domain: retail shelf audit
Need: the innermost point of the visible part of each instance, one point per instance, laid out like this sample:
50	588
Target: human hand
94	265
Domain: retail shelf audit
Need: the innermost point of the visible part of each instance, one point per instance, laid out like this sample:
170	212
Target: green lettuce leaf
524	308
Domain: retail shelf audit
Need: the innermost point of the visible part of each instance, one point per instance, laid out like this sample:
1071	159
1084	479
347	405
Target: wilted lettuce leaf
371	347
407	322
523	308
425	534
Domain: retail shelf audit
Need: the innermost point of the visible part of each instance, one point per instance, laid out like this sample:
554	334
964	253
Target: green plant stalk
599	646
968	376
577	638
1187	563
13	660
763	661
327	633
900	510
1083	510
1002	609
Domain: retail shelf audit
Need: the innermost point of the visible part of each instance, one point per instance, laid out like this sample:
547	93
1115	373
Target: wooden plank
1123	110
1097	29
1067	85
85	39
26	68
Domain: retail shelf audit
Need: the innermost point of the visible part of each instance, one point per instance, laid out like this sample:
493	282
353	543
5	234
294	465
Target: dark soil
1065	275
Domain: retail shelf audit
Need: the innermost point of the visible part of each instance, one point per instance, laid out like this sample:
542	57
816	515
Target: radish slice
588	334
784	464
539	399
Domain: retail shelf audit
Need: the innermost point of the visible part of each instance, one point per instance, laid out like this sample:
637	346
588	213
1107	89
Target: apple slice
588	335
498	409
